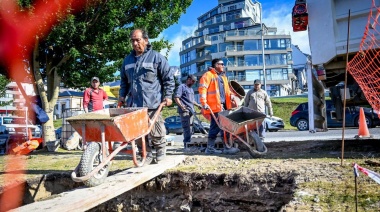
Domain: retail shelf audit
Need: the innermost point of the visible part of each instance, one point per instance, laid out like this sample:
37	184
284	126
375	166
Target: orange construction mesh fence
365	66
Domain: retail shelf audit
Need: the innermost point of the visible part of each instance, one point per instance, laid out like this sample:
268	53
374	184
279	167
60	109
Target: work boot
160	153
212	150
230	151
148	159
211	147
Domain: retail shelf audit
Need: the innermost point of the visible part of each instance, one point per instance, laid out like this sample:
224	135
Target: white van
18	125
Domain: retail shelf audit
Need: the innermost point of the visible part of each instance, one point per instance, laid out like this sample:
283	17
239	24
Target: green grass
283	108
57	123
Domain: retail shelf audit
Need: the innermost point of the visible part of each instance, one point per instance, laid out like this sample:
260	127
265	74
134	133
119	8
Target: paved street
294	135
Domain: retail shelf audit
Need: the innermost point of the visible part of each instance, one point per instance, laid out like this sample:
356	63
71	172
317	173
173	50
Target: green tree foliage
95	40
92	42
3	82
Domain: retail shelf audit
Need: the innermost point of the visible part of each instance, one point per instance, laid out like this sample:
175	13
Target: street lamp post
226	67
262	46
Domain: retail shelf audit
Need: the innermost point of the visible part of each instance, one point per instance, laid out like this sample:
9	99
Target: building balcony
197	43
202	57
245	34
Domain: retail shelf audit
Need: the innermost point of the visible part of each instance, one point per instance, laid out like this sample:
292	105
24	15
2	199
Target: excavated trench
178	191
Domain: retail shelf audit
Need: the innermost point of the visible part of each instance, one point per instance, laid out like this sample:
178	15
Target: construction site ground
292	176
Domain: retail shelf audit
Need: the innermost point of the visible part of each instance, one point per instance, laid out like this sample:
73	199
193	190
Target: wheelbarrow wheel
257	146
91	158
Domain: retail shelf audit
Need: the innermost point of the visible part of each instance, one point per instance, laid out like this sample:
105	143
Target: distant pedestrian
184	98
257	99
94	96
215	95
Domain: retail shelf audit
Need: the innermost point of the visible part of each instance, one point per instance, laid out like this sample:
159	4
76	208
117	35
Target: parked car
300	116
17	125
273	124
173	125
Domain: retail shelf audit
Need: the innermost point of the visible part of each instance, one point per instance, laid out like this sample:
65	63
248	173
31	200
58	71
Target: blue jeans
187	125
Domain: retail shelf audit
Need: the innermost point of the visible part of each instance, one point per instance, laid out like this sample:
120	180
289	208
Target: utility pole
262	45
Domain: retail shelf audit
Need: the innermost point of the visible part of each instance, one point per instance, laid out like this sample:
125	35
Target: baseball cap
257	82
95	78
192	77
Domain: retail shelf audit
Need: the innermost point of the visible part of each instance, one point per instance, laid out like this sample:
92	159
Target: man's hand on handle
198	105
206	107
168	102
121	102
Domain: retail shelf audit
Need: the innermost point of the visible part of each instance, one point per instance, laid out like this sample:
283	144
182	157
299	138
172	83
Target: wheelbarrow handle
214	117
154	118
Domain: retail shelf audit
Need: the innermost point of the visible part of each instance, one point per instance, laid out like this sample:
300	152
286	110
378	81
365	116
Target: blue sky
275	13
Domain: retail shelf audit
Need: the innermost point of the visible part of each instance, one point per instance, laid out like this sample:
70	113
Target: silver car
273	124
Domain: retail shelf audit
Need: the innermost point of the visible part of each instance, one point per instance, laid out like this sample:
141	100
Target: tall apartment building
232	31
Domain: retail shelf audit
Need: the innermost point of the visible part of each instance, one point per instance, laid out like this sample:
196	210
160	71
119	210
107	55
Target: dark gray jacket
147	81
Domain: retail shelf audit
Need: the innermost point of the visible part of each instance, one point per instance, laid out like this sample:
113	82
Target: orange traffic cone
363	128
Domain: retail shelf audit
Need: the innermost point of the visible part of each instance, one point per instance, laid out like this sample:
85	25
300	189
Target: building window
252	60
185	58
251	45
214	12
278	74
214	38
275	59
223	46
227	27
239	24
252	75
213	29
218	18
185	71
288	43
233	7
230	61
232	15
204	18
212	49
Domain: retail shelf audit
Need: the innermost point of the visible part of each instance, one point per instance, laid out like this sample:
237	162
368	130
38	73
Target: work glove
206	107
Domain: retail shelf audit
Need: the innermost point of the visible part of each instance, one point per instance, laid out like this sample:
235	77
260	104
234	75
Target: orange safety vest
209	91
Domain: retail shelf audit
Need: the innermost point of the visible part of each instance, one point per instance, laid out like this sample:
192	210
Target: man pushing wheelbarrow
217	100
146	85
215	96
146	81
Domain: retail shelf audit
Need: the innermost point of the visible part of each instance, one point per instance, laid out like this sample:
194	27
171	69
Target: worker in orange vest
215	95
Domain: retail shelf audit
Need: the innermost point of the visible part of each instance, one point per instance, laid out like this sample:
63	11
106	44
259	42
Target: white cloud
281	18
184	32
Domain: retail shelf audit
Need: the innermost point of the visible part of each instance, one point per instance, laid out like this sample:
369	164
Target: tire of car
302	124
367	120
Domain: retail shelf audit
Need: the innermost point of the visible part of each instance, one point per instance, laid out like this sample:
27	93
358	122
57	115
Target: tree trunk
48	95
